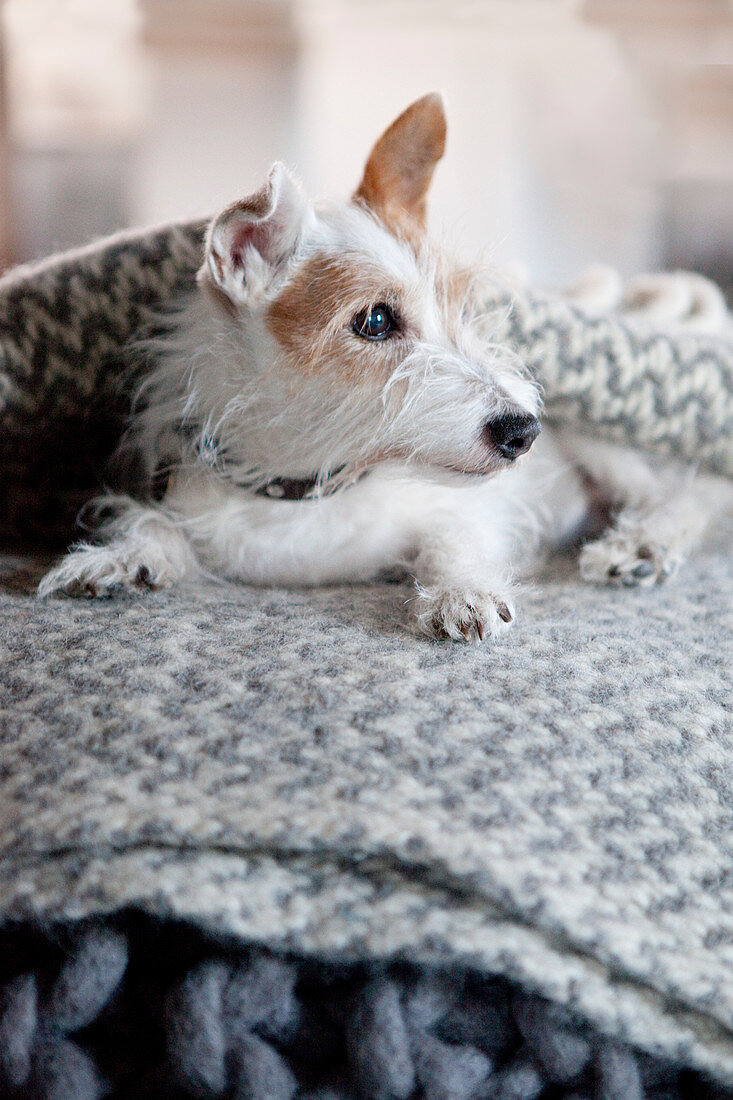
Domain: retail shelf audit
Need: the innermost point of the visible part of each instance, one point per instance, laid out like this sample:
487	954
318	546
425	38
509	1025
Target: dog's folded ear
401	165
249	240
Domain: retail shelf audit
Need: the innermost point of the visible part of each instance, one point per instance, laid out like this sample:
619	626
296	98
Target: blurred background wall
579	130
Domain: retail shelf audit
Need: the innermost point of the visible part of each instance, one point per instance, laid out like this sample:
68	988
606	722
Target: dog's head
344	338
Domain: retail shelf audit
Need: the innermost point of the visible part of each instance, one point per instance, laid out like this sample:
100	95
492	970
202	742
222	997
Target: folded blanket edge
335	914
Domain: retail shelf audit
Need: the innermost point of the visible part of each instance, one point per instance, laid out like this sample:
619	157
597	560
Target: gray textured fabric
295	769
66	323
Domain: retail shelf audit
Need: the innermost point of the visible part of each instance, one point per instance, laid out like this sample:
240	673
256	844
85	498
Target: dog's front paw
463	615
622	557
99	571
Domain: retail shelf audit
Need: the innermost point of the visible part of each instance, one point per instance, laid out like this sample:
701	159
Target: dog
326	410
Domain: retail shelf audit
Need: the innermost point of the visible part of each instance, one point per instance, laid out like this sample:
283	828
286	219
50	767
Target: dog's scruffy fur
333	347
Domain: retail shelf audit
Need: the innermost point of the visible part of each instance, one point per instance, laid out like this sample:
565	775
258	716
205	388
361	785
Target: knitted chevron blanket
66	326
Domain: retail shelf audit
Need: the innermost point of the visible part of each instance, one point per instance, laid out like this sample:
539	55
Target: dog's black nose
513	433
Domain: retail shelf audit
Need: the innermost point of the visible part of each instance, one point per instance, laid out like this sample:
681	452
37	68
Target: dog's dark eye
375	322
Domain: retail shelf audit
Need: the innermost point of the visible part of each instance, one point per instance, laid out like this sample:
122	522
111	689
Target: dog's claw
464	616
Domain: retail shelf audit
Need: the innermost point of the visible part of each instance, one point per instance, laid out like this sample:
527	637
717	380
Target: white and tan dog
326	410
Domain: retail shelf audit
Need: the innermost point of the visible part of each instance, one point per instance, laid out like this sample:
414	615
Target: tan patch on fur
311	320
401	165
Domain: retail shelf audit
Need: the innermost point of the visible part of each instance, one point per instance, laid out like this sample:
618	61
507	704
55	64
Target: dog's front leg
140	548
464	590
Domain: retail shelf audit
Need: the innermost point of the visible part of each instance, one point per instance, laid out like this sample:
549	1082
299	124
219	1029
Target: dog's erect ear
401	164
248	240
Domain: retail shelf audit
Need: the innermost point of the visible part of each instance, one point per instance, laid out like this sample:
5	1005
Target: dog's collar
213	455
300	488
288	488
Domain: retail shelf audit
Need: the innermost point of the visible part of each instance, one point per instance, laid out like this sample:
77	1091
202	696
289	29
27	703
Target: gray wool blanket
292	773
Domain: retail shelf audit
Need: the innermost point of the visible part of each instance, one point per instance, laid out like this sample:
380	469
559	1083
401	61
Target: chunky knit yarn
133	1008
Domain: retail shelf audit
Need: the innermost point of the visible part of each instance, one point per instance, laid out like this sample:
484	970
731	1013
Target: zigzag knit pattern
146	1010
66	326
65	331
671	393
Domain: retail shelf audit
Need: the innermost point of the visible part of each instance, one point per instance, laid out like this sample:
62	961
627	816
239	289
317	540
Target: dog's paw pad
463	616
622	560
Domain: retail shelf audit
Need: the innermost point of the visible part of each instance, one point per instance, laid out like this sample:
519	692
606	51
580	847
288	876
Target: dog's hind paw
98	571
621	558
462	615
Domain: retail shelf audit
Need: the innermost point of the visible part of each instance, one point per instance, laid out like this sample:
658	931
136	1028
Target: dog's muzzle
512	434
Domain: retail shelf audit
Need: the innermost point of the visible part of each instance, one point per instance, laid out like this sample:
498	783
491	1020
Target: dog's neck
213	456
